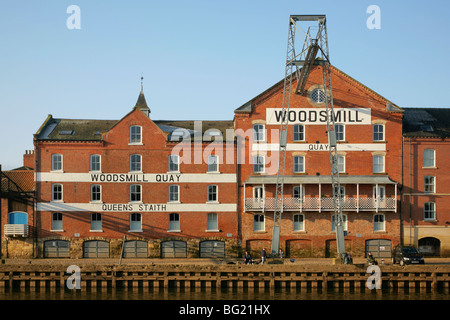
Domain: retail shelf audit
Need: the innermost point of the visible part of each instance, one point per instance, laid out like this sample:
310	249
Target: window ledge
57	230
215	230
173	230
57	201
137	230
135	144
212	202
95	230
174	201
96	202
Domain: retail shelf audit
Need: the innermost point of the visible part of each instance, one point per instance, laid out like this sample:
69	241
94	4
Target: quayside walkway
216	273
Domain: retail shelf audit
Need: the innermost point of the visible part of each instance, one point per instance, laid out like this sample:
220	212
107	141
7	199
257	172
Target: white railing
16	230
326	204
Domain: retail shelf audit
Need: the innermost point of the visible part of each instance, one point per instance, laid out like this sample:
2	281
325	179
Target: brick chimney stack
28	159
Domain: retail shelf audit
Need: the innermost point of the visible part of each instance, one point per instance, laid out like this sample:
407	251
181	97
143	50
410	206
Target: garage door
96	249
380	248
174	249
212	249
57	249
135	249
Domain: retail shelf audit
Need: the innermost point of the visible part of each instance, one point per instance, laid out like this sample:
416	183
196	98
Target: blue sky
200	59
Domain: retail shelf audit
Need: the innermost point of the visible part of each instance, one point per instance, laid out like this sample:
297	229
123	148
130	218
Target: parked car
406	255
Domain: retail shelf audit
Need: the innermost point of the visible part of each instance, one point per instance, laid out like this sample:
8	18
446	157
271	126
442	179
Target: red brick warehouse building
426	180
164	185
369	129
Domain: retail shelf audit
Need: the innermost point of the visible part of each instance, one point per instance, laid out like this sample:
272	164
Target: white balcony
16	230
322	204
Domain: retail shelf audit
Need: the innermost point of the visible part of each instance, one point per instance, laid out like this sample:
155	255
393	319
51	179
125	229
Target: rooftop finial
142	83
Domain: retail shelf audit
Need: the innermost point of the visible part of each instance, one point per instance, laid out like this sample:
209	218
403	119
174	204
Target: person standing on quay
263	256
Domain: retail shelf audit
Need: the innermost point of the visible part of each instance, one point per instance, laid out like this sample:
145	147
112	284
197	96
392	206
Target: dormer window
135	135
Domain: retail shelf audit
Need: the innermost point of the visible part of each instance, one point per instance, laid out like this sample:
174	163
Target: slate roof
426	122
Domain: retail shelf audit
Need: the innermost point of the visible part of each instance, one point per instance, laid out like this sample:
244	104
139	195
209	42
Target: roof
313	179
92	130
390	106
426	122
22	179
141	103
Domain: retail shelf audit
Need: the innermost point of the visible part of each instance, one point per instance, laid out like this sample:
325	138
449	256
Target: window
135	193
135	134
258	132
135	222
318	95
174	195
95	162
333	225
174	222
378	132
341	163
211	222
340	132
429	211
342	189
299	222
173	163
213	163
378	222
135	163
258	222
56	162
299	193
57	192
378	164
212	193
429	184
96	192
258	164
428	158
299	132
96	221
299	164
57	221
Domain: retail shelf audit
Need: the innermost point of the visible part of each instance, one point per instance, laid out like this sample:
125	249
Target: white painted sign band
315	116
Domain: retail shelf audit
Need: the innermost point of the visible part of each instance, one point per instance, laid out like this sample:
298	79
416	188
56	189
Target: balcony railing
322	204
15	230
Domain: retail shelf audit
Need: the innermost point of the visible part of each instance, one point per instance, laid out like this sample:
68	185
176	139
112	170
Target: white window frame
376	132
212	191
429	158
135	137
341	163
95	192
298	225
298	167
57	224
135	163
135	225
259	132
379	225
339	132
430	185
213	163
174	193
376	164
212	222
60	191
257	164
57	164
174	163
174	222
259	222
93	163
333	224
136	190
430	211
96	225
298	135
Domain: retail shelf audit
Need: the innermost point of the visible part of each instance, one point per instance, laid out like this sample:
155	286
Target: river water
172	294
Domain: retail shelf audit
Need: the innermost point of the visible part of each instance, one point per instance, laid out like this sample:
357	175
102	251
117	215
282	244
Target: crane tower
308	46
